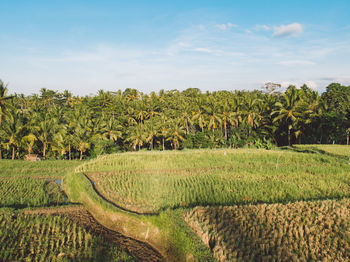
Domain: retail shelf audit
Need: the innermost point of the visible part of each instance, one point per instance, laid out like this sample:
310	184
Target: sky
84	46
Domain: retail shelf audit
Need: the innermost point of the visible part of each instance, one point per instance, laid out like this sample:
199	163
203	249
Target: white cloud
262	27
296	63
226	26
204	50
312	84
288	30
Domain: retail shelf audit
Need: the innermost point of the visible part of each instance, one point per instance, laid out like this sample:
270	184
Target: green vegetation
166	231
341	151
40	169
301	231
52	238
150	182
58	125
27	192
32	184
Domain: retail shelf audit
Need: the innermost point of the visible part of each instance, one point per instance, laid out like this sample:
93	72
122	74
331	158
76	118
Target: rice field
28	192
336	150
150	182
300	231
39	169
52	238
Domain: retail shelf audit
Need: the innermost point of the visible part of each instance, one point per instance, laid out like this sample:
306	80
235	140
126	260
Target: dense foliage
60	125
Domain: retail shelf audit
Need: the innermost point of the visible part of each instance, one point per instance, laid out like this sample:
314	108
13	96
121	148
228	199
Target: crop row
300	231
248	181
27	192
49	238
207	158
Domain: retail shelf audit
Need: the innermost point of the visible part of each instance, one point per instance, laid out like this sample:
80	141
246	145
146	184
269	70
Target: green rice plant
275	232
47	168
150	182
27	192
47	238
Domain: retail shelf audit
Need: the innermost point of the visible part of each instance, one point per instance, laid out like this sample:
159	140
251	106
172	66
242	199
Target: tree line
60	125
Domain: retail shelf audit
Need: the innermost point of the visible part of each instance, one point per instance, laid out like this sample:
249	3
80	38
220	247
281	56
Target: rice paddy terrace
288	204
146	194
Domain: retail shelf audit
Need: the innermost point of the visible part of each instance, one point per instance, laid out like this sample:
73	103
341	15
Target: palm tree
175	134
14	131
3	100
288	110
137	136
29	141
46	126
111	129
151	132
251	116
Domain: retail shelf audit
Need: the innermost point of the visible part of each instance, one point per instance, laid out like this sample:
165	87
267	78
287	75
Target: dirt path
141	250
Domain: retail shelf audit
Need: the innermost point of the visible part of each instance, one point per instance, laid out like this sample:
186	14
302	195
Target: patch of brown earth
142	251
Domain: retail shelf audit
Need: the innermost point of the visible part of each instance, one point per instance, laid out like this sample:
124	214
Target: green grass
52	238
150	182
47	168
27	192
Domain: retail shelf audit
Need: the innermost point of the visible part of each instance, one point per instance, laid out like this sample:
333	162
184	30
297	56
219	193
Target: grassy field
150	182
301	231
52	238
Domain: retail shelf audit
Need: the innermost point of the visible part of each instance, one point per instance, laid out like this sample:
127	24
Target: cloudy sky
84	46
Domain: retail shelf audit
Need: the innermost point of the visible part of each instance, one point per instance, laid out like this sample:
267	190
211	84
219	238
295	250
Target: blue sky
84	46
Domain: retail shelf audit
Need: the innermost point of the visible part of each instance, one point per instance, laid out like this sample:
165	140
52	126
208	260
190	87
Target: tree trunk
0	153
13	153
347	142
225	127
69	152
288	136
163	143
44	151
187	129
81	155
139	147
151	144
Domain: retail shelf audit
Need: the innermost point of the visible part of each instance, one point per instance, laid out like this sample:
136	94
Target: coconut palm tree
14	130
137	136
175	134
4	99
288	110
